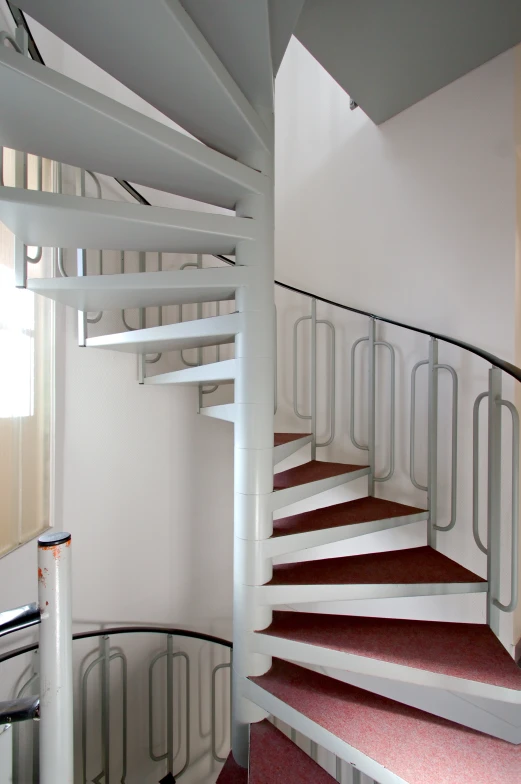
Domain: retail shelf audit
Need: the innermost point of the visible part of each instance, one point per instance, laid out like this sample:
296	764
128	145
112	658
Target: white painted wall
414	220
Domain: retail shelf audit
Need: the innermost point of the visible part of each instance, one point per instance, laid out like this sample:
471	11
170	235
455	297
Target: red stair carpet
274	759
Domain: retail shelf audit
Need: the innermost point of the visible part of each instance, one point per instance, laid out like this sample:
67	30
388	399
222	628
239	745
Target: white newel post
254	404
56	709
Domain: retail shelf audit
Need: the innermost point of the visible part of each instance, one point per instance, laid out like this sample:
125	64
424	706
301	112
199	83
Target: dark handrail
125	630
21	709
507	367
20	618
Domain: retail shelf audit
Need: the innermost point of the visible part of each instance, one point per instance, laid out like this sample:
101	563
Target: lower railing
149	702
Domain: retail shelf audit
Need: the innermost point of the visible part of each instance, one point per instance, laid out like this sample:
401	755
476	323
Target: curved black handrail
125	630
507	367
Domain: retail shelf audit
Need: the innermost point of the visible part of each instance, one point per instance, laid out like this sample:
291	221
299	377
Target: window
26	389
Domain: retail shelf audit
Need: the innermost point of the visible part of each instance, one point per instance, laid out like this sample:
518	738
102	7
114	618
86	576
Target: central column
255	354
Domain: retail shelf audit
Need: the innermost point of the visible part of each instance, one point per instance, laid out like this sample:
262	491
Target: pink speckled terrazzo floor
416	565
461	650
416	746
274	759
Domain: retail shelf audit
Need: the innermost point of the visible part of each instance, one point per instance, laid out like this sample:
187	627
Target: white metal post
432	442
56	708
254	402
371	406
20	181
494	498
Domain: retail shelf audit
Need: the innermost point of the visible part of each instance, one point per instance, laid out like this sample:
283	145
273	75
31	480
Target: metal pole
254	404
142	358
170	703
432	441
313	378
20	181
56	707
371	410
494	497
105	706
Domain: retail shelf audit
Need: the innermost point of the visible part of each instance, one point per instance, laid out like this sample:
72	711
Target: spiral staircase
210	68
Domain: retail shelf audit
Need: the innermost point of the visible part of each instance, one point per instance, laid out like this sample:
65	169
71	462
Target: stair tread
417	565
135	147
361	510
274	758
459	650
406	741
62	221
211	331
142	289
222	372
312	471
231	773
287	438
142	45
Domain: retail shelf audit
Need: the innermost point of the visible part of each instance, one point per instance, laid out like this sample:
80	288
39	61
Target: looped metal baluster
392	419
475	472
413	426
332	387
454	464
295	367
216	669
511	606
352	412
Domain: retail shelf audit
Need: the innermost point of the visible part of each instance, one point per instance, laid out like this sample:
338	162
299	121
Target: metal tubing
432	441
105	706
124	699
154	757
20	618
353	392
84	714
170	704
392	417
332	384
514	568
215	670
338	769
371	413
475	472
454	452
413	426
81	257
494	498
313	378
20	181
295	368
56	686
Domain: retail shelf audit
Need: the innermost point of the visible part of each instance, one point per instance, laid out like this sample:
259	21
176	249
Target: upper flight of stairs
212	73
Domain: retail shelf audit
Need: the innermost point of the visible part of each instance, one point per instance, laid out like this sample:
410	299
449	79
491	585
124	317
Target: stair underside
389	741
223	372
287	438
449	650
143	289
213	331
155	49
134	147
57	221
287	444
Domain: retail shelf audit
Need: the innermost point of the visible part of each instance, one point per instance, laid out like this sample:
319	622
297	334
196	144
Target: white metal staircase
383	686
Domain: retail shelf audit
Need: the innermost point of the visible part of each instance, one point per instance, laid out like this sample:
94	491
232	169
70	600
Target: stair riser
292	495
225	412
278	595
318	734
487	716
283	451
283	545
214	373
315	656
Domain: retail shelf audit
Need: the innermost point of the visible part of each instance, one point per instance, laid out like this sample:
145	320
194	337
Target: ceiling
389	54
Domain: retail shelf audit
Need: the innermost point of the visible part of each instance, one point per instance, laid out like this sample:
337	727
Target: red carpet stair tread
470	651
418	565
287	438
311	472
274	759
362	510
416	746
